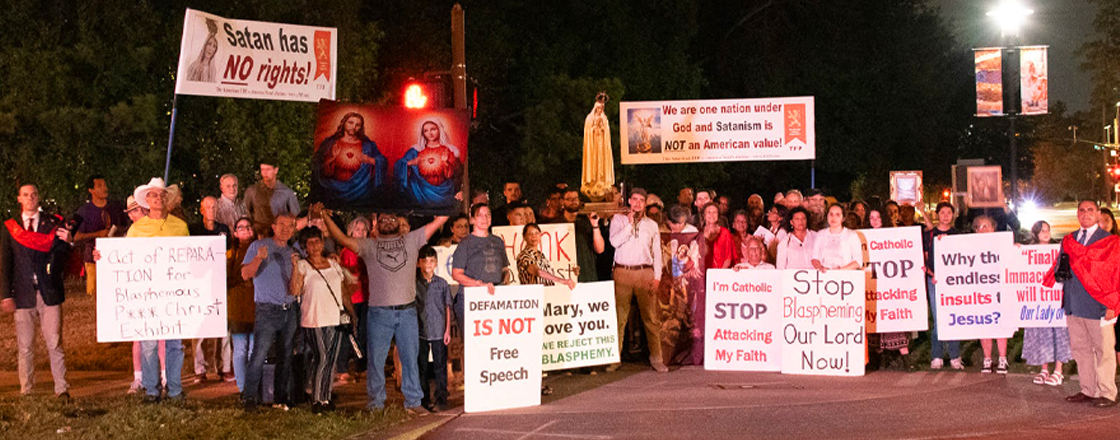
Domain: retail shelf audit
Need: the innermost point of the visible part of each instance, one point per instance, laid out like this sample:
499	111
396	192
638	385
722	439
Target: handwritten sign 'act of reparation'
161	288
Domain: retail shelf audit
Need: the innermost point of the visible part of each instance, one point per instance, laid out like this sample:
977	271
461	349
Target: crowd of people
306	297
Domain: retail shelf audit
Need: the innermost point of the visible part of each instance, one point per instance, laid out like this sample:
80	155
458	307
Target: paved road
693	403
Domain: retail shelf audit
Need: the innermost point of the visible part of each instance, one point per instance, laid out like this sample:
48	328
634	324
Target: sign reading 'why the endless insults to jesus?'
717	130
161	288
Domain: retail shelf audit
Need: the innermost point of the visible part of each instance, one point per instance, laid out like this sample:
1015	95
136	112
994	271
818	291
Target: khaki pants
636	283
91	279
1093	347
50	323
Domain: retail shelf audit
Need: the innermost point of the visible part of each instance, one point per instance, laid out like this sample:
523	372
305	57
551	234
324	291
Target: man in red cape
1091	293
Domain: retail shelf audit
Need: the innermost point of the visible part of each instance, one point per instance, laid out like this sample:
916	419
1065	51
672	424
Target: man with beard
815	203
390	259
347	167
589	237
637	273
268	199
553	210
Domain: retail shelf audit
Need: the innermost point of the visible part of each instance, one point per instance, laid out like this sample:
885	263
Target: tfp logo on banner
896	290
823	332
257	60
161	288
558	242
970	301
719	130
743	320
502	347
580	327
1034	305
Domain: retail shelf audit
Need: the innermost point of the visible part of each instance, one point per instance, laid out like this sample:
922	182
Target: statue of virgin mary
598	159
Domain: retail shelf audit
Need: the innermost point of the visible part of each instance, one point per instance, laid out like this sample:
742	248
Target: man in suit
33	251
1092	344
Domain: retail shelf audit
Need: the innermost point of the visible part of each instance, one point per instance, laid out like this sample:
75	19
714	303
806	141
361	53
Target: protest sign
558	243
388	159
444	259
580	326
161	288
823	329
1032	304
896	290
502	347
970	303
743	318
257	60
717	130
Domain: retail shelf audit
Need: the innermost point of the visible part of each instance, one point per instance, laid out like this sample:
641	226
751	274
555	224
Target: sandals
1055	379
546	390
1042	377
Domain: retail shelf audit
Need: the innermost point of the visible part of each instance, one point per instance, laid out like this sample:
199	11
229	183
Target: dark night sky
1061	24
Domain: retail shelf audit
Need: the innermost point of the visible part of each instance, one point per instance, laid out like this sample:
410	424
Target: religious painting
985	187
645	130
681	294
906	187
389	159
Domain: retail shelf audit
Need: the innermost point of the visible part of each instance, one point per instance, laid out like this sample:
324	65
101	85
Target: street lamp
1010	15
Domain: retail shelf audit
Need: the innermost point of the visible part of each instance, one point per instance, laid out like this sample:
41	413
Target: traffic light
414	96
1114	171
945	193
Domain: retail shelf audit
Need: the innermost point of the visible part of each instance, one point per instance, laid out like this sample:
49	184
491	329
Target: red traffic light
414	96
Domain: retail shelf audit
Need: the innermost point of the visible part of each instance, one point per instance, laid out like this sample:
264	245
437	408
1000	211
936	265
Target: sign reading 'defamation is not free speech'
161	288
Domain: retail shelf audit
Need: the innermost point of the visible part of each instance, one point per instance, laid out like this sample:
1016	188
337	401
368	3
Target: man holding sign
158	224
1090	305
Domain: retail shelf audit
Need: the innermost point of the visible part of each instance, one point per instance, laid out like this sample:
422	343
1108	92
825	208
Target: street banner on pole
502	347
580	326
823	323
255	59
743	326
1033	304
719	130
161	288
558	243
1034	80
896	298
971	301
989	81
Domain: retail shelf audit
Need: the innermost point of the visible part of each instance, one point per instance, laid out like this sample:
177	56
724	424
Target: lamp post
1010	15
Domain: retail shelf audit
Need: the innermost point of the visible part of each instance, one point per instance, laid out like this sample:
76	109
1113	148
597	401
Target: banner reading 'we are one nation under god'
721	130
256	60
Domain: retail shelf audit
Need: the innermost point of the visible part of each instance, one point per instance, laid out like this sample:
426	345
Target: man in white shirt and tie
637	273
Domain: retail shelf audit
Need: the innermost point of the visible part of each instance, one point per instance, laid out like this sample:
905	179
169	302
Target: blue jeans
242	346
273	325
385	324
437	372
935	349
149	367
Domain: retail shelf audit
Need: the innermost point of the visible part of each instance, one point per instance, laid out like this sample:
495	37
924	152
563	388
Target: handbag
345	322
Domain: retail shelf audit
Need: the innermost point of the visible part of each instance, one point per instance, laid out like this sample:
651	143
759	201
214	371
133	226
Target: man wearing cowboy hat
158	224
33	251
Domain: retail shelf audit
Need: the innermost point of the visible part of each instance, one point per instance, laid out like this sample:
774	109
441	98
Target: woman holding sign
837	247
1042	345
532	264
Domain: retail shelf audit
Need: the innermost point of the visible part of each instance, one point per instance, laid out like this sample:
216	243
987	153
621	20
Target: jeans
386	324
935	349
273	325
437	371
149	367
242	347
324	343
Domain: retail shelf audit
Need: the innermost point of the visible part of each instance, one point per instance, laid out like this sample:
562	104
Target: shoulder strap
328	283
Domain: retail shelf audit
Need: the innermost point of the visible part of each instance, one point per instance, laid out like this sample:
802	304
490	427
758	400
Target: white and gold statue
598	159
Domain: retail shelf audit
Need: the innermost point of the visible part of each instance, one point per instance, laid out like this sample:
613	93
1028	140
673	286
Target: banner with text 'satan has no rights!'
256	60
721	130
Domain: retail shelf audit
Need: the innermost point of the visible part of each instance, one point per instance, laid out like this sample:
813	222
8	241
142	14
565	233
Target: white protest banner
161	288
823	313
969	284
1034	305
580	326
502	347
718	130
443	265
743	316
257	60
558	243
896	293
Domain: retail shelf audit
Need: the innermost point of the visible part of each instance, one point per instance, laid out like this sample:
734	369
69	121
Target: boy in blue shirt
433	296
